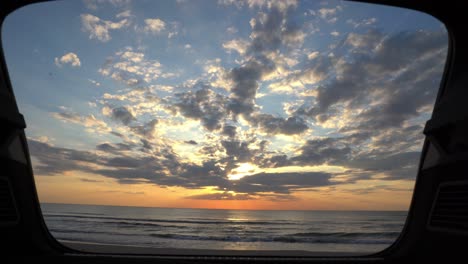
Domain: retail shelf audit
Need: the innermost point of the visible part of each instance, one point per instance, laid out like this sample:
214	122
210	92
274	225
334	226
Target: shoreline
91	247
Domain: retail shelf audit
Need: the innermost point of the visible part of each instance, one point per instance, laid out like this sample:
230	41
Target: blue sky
226	100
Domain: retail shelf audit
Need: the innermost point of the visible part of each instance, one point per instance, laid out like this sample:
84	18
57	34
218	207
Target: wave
307	238
313	238
210	222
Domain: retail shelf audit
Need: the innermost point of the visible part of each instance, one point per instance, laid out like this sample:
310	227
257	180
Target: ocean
315	231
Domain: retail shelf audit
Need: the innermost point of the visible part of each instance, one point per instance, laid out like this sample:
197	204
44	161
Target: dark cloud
163	169
113	148
117	134
56	160
282	183
122	114
399	71
238	150
191	142
127	162
89	180
146	144
272	161
221	196
271	30
320	151
146	130
244	90
167	170
229	131
399	166
377	188
278	125
205	105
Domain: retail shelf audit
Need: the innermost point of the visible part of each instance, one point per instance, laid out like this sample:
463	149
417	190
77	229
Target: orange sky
70	188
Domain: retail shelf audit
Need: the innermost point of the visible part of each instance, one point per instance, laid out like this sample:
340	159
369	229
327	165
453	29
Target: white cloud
335	33
154	25
325	12
329	14
99	29
94	82
95	4
363	40
237	3
92	124
238	45
232	30
364	22
133	56
187	46
313	55
132	68
282	5
124	14
173	29
69	58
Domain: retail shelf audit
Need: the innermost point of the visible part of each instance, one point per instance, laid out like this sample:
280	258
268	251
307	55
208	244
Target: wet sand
135	250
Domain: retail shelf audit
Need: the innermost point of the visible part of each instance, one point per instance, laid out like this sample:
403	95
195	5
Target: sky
255	104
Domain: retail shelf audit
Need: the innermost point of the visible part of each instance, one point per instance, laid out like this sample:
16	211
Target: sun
242	170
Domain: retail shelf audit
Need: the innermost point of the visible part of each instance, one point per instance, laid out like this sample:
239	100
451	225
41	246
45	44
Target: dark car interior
436	227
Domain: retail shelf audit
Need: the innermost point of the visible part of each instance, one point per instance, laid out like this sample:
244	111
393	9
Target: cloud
126	13
89	180
173	29
96	4
92	123
326	12
205	105
232	30
146	130
122	115
270	31
99	29
56	160
313	55
387	165
238	45
329	14
237	150
114	148
361	85
154	25
282	5
166	170
69	58
94	82
229	131
320	151
363	22
221	196
132	68
311	73
278	125
282	183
